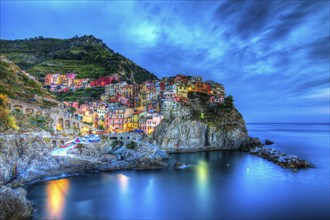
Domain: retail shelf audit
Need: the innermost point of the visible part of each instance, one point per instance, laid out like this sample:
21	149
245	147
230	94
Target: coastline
83	162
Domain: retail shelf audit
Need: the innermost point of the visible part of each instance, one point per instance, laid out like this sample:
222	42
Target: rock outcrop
193	134
268	142
282	159
255	147
13	204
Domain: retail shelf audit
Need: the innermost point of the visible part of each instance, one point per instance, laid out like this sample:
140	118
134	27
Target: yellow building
143	99
128	90
62	79
88	117
128	125
182	90
136	119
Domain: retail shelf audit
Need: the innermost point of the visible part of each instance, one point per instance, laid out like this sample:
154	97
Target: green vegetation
7	121
28	123
131	145
84	70
40	122
229	102
15	84
211	113
86	55
82	95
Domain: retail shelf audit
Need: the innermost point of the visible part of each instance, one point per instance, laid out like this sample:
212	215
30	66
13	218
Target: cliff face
226	131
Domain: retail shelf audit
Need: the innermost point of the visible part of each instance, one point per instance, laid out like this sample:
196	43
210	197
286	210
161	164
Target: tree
6	119
229	101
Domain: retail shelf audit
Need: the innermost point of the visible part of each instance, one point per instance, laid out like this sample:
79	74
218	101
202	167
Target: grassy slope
86	55
18	86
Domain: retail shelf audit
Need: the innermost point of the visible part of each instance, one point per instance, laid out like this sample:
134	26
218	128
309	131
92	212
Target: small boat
67	144
94	138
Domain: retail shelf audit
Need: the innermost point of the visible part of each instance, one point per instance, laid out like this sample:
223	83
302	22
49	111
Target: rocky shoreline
282	159
29	160
20	170
255	147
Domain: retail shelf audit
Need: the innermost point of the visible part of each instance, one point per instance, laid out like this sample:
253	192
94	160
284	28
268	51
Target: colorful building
151	122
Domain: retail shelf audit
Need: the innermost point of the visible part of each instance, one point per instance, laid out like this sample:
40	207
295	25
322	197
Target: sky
272	56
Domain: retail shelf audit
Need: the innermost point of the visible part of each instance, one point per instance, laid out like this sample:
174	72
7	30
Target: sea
215	185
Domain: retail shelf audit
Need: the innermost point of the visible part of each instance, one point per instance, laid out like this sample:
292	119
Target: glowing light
202	174
56	196
123	181
59	127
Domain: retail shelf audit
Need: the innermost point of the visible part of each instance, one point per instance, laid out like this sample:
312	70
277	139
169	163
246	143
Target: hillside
86	55
16	84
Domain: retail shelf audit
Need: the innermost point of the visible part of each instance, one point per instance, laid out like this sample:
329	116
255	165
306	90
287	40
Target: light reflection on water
202	181
57	191
220	184
123	183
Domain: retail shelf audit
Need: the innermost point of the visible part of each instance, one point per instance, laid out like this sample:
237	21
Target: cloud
273	56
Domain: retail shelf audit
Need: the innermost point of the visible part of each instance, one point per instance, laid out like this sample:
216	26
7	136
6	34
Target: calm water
219	185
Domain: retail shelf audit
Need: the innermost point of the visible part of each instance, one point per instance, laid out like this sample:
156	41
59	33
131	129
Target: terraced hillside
86	55
16	84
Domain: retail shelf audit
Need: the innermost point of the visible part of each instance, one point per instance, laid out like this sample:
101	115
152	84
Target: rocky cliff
225	131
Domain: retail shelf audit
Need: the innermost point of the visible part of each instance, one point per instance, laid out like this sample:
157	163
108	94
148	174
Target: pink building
217	99
152	121
114	120
75	105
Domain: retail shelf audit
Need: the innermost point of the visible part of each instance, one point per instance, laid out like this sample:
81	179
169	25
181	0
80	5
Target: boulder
180	165
13	204
268	142
251	144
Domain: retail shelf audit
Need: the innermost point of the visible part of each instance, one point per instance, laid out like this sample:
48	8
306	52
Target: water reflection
203	177
202	174
56	197
123	183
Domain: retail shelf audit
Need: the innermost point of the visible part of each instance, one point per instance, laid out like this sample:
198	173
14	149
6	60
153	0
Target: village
128	107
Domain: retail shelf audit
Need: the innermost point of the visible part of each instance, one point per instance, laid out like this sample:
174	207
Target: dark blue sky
272	56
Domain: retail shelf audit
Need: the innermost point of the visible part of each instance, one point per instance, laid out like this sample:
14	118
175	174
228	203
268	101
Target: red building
104	81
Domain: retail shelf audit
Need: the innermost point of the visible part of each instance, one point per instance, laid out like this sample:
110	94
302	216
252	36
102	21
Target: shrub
229	101
131	145
6	118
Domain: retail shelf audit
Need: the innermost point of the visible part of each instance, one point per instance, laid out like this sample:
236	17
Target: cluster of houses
141	107
67	82
64	82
